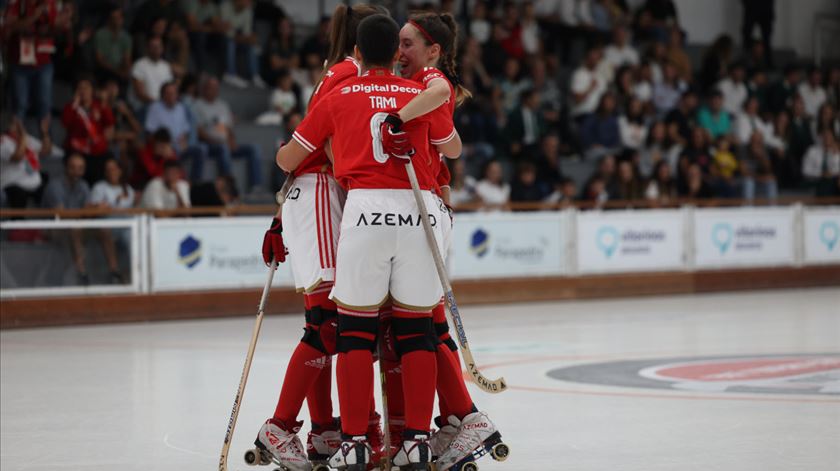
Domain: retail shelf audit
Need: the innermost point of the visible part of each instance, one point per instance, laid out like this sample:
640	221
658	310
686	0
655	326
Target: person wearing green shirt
713	118
112	46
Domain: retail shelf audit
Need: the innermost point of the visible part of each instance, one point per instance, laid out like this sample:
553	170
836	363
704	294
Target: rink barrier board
24	313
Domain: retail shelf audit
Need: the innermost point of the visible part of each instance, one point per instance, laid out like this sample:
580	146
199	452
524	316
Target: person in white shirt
492	190
479	26
112	192
149	74
587	85
168	191
632	125
620	52
734	89
812	92
822	161
749	122
20	164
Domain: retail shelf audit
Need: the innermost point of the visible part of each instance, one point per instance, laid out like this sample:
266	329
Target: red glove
394	140
273	247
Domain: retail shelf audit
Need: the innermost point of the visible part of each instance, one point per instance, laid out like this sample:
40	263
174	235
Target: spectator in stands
800	138
112	46
833	87
681	120
462	185
479	26
758	88
525	187
643	86
656	17
716	62
759	178
284	98
761	13
548	92
167	191
279	55
525	126
20	165
633	125
167	21
599	132
219	192
627	185
127	129
204	25
697	152
587	85
812	92
750	122
661	187
695	185
215	129
657	147
781	93
787	166
821	165
713	118
657	57
29	36
620	52
149	74
152	157
90	129
734	90
826	119
565	192
171	114
112	193
530	30
238	18
595	191
725	169
492	190
624	84
318	44
548	162
676	55
666	94
71	191
513	84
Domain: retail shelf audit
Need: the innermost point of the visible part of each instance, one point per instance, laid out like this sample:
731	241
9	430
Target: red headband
422	31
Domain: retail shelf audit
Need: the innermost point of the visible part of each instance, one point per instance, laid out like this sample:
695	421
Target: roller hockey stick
237	402
385	461
489	385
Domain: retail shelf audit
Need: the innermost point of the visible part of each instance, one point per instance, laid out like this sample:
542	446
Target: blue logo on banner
607	240
829	234
480	243
189	251
722	236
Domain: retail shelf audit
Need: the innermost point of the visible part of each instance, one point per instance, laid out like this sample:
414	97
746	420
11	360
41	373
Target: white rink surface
158	396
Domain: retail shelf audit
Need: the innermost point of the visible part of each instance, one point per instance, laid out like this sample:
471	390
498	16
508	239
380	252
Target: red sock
453	394
394	388
319	398
355	383
419	372
305	366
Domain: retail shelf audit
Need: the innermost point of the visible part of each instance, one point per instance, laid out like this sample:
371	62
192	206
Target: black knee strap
442	331
421	334
349	324
312	336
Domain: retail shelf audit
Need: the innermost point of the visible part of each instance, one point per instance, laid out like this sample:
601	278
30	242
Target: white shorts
383	250
311	221
445	225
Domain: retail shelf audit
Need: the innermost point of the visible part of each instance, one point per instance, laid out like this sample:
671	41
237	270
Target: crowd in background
553	81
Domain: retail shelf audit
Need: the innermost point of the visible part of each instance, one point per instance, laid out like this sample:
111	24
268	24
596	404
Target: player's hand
273	247
394	140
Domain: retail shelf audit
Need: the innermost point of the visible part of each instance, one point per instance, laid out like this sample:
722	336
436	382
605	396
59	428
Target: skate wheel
471	466
320	467
252	457
500	452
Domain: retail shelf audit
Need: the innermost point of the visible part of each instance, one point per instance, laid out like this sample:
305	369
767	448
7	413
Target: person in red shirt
312	217
152	158
382	249
90	127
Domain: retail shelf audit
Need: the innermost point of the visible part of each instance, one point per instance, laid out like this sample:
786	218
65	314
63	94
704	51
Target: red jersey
86	128
353	114
318	162
425	76
33	45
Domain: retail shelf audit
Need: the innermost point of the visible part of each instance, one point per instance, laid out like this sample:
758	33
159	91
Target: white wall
704	20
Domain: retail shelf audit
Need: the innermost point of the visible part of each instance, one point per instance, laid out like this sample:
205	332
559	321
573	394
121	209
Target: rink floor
734	382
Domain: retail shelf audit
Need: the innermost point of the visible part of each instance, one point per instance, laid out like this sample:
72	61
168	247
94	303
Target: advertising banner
822	235
212	253
744	237
502	245
609	242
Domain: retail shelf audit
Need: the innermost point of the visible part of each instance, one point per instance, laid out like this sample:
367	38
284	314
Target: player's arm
310	134
452	148
291	155
436	93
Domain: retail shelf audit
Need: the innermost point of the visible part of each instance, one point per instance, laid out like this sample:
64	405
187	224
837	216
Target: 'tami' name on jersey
352	115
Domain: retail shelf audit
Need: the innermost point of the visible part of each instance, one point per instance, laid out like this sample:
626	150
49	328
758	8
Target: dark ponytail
345	22
443	30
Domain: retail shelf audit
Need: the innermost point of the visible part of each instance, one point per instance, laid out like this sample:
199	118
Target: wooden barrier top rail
245	210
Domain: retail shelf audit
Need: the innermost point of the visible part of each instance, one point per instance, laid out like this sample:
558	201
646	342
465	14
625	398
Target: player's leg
390	363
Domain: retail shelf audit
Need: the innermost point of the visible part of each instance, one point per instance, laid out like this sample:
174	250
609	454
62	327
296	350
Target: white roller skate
353	454
321	443
279	444
476	437
442	437
415	453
